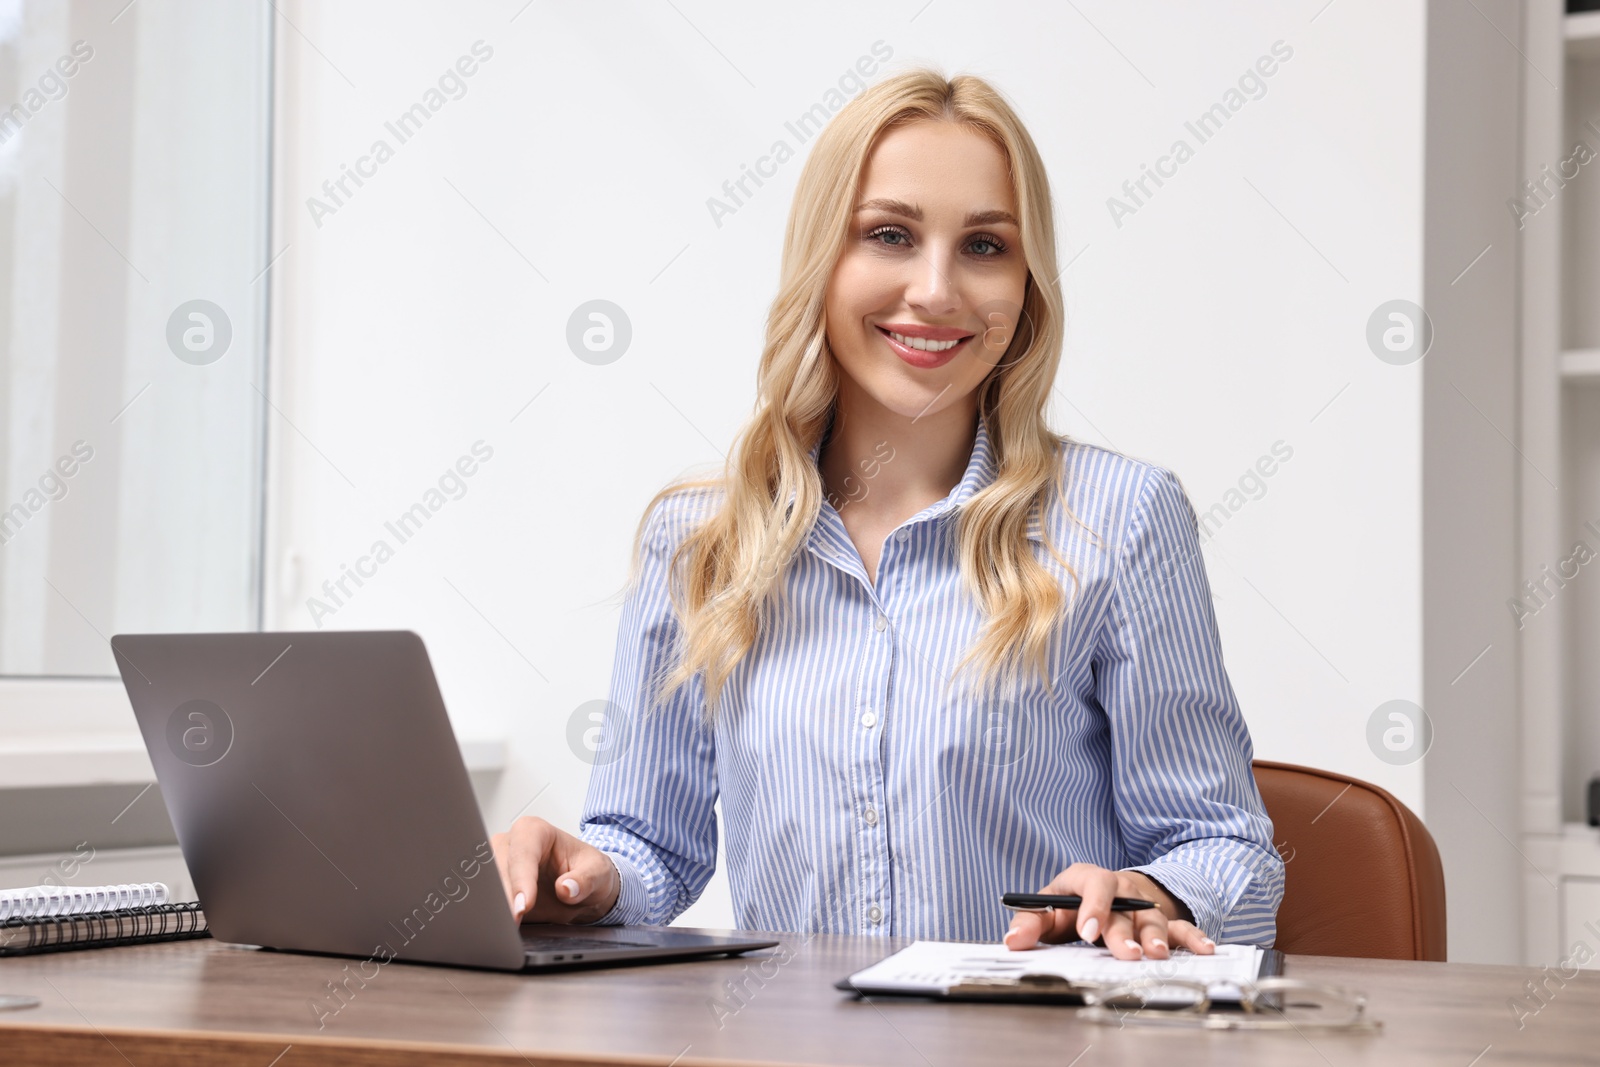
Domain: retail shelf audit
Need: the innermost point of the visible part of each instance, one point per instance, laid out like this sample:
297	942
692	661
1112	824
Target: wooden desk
201	1002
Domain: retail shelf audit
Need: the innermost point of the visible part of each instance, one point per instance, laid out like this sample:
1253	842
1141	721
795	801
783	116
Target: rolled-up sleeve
1188	808
652	791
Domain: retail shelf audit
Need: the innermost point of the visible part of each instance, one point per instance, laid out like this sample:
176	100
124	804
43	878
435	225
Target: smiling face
924	299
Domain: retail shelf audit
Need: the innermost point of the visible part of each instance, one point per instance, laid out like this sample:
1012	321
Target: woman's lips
922	359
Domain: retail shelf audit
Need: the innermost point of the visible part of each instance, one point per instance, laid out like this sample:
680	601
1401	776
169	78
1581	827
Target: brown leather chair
1362	874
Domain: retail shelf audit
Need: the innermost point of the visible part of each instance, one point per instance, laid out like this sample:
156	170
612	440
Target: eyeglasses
1268	1004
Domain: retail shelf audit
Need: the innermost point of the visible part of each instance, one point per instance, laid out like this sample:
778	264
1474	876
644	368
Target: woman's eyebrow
900	207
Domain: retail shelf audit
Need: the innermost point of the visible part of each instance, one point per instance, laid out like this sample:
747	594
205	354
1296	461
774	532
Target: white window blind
134	196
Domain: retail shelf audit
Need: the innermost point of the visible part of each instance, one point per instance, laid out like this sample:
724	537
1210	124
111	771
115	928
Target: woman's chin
909	393
913	404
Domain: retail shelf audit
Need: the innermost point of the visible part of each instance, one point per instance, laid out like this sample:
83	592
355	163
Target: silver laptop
321	804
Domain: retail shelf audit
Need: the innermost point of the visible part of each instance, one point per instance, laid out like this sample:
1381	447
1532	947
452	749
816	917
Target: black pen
1048	902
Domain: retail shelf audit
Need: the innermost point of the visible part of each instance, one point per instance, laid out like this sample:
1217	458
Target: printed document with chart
945	968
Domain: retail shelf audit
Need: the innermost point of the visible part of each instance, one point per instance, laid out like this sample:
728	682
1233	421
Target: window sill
120	758
81	731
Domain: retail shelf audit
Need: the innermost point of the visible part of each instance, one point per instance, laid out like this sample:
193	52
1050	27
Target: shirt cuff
629	910
1191	887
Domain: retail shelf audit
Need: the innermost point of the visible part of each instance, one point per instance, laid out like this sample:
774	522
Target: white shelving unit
1582	34
1560	498
1578	364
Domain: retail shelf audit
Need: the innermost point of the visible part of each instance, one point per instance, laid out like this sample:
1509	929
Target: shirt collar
981	471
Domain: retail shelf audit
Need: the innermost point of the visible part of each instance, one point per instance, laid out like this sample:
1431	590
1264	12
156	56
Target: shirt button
875	913
871	815
869	719
902	536
880	624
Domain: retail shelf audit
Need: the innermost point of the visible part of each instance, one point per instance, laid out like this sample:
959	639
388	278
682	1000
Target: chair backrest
1363	876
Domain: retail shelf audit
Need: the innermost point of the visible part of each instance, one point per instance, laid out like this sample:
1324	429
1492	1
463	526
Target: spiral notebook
56	918
35	901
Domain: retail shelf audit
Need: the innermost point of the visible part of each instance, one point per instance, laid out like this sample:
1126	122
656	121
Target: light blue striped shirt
861	796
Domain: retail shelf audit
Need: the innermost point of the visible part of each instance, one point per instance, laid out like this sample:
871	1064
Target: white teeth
923	343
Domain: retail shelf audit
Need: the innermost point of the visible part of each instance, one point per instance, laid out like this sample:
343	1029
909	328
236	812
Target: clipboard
1025	988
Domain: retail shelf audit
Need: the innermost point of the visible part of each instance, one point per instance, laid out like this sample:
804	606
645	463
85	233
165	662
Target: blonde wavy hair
727	574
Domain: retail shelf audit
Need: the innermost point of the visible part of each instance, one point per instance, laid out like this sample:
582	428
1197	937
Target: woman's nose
932	288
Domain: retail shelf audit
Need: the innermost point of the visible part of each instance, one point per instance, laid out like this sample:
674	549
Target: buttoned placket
873	692
874	618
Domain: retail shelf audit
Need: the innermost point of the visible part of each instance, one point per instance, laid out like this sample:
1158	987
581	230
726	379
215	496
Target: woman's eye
983	246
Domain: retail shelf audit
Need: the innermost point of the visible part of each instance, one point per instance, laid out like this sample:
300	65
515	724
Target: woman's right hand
551	876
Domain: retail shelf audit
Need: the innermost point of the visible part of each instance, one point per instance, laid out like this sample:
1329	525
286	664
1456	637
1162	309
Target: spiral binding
104	929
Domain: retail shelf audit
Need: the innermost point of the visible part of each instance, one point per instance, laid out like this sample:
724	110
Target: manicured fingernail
1131	943
1208	941
571	886
1091	929
1158	941
520	903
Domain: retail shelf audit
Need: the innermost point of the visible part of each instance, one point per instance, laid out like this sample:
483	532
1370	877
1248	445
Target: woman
924	649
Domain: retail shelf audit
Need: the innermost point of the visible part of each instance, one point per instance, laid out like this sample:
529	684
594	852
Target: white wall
1222	317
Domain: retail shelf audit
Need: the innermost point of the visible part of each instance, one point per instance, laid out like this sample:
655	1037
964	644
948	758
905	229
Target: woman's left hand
1129	935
